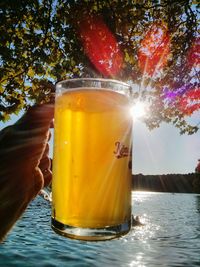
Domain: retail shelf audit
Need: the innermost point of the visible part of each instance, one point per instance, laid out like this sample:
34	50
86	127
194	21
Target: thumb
38	182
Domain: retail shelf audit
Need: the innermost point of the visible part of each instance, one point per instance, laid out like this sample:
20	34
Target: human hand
24	164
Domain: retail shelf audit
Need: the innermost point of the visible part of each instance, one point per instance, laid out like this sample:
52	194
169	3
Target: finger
45	160
38	181
45	163
46	151
51	164
49	136
44	166
47	176
52	124
37	117
30	149
26	145
30	134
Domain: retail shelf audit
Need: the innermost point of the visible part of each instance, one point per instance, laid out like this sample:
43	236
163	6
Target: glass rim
114	81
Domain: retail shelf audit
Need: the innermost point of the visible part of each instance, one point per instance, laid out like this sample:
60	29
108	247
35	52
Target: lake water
170	237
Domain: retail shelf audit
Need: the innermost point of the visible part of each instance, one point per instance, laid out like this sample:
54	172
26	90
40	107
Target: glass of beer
91	187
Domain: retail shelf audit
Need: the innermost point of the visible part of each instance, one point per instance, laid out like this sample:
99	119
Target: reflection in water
198	203
138	262
145	232
148	229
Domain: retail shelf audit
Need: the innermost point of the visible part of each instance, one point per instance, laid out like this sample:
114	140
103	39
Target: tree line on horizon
174	183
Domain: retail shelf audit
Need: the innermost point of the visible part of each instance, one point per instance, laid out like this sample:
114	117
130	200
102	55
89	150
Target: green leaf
31	73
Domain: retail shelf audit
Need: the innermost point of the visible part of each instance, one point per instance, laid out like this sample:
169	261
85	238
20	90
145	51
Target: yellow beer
91	179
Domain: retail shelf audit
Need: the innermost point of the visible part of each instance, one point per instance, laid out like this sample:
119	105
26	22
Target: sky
159	151
163	150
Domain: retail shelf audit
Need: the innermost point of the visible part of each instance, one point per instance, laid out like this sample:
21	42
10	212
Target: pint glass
91	187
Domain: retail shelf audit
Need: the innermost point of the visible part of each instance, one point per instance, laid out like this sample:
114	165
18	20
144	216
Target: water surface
170	237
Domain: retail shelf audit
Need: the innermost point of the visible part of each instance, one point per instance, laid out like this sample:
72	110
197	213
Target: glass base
90	234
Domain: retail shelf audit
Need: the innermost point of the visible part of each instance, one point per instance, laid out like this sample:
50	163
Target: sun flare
138	110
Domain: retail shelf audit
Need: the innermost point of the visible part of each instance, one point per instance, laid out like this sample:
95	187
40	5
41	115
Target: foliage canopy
154	44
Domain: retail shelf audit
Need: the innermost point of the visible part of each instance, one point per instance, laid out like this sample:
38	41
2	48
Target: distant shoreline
174	183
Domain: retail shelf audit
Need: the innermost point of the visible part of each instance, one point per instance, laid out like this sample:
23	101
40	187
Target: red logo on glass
121	150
